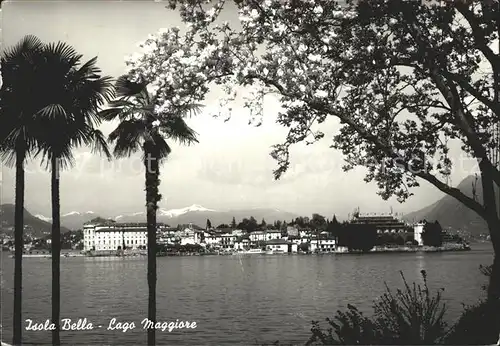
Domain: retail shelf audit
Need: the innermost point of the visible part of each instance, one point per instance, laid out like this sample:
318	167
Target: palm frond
27	45
176	128
99	144
62	55
110	114
121	103
161	149
52	112
89	68
127	137
191	109
127	88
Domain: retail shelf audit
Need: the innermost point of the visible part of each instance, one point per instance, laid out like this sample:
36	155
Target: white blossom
211	12
254	14
321	93
318	9
314	57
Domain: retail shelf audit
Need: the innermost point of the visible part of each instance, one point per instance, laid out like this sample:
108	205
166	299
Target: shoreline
376	250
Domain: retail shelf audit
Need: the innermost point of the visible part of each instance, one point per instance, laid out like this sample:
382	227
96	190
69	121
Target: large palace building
116	236
387	223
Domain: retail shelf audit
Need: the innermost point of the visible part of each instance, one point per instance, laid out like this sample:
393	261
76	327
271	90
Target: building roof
265	232
379	220
125	224
278	242
114	229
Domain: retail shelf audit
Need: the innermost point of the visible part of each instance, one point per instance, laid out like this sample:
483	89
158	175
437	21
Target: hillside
451	213
33	225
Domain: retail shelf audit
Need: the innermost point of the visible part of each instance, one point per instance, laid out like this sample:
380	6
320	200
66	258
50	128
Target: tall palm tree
143	129
69	97
17	142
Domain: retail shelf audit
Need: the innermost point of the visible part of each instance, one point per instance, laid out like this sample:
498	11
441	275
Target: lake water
234	300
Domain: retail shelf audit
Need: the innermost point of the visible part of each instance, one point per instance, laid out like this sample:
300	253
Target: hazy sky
230	168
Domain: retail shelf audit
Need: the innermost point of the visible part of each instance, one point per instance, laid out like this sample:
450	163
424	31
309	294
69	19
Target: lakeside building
323	245
281	246
389	223
112	236
384	223
116	236
227	241
418	229
265	235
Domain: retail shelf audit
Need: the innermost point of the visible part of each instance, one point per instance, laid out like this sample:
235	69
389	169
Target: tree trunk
19	247
56	251
152	197
492	219
493	222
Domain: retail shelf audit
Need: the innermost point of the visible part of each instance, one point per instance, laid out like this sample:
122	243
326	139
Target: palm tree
143	129
69	95
17	142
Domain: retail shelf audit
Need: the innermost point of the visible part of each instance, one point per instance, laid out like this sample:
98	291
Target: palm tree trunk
152	197
19	247
56	251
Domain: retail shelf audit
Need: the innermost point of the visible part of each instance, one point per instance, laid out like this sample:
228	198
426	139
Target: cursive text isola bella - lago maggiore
113	324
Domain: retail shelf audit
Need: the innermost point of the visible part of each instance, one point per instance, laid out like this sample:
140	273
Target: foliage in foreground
412	316
409	316
479	324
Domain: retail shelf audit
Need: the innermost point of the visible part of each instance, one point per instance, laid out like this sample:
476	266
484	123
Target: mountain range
39	227
195	214
453	214
448	211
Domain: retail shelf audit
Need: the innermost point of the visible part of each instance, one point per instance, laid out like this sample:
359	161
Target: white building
418	229
238	232
242	245
227	241
214	239
323	245
115	236
281	245
264	235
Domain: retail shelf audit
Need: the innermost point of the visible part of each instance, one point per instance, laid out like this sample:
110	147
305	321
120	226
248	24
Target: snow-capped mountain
71	220
44	218
195	214
177	212
198	215
164	213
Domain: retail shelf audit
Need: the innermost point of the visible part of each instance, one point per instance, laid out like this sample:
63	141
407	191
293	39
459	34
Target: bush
409	317
478	325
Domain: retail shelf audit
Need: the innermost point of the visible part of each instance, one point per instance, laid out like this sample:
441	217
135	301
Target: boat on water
250	252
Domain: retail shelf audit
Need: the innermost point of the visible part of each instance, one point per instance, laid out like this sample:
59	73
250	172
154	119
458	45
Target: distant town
361	233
